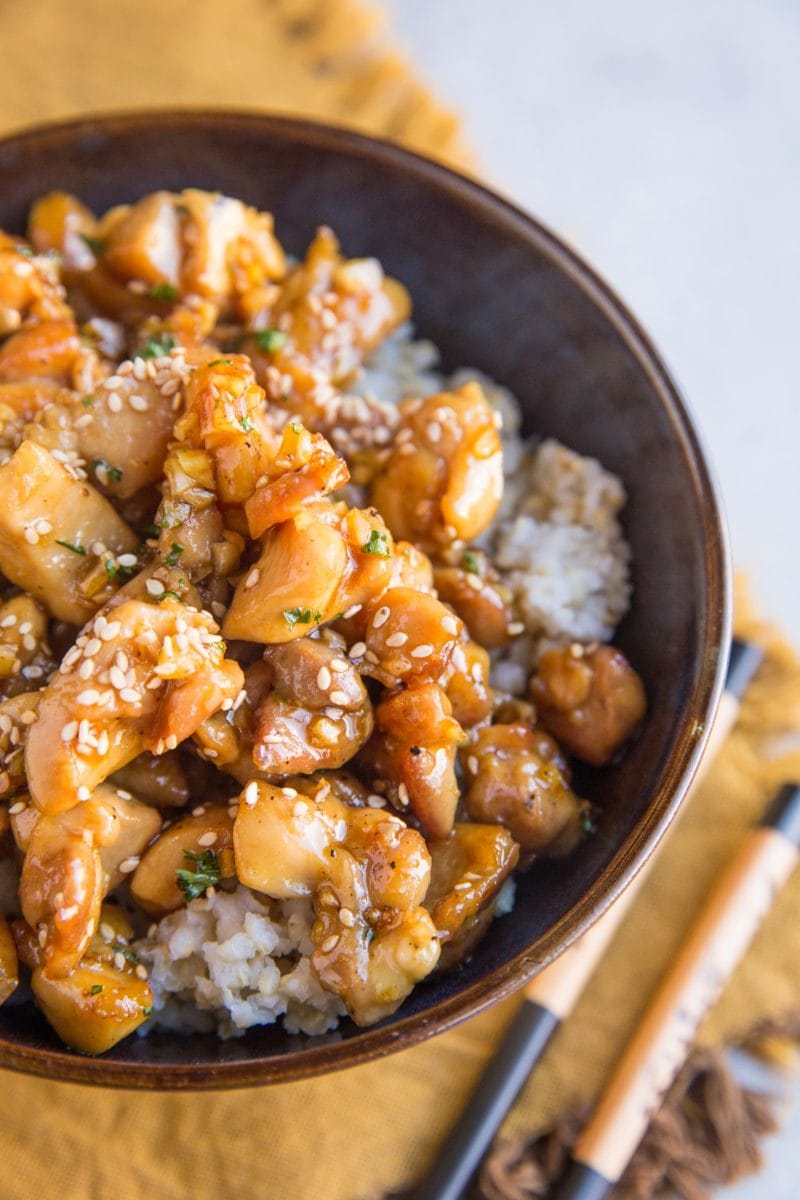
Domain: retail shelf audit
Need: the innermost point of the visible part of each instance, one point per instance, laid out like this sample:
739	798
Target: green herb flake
87	401
204	873
73	546
157	347
221	362
377	544
296	427
148	1011
126	952
174	595
94	990
471	562
270	339
163	291
96	245
112	570
99	465
246	424
301	616
174	554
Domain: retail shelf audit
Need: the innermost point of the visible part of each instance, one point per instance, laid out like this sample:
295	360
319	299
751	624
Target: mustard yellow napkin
373	1128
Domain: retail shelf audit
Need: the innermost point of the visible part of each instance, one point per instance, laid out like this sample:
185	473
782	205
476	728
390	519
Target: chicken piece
466	683
157	779
187	858
468	868
47	518
142	680
305	468
476	592
9	967
105	998
313	567
72	860
315	714
591	700
23	403
443	480
329	314
411	568
516	777
30	290
408	636
46	350
196	242
25	656
17	714
58	221
371	958
411	757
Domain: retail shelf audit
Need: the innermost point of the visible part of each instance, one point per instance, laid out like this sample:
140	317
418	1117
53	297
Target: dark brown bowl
498	291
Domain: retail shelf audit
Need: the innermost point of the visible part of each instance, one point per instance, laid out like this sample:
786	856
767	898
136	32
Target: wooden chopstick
735	908
551	995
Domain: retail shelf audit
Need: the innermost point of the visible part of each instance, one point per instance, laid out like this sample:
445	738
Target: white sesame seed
252	578
128	865
516	628
28	717
207	839
89	696
127	560
31	536
434	431
116	678
450	624
123	795
111	630
375	801
339	665
131	696
340	698
251	793
140	971
397	639
8	621
323	679
25	627
86	669
170	742
289	792
106	932
346	917
199	810
138	403
155	587
423	651
330	943
402	795
381	617
352	610
114	402
103	743
472	765
463	887
91	648
84	793
69	731
119	960
357	649
475	582
19	807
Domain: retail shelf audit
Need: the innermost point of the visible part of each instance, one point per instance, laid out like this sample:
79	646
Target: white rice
237	959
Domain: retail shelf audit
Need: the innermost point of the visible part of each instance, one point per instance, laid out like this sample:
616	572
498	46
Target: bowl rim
372	1043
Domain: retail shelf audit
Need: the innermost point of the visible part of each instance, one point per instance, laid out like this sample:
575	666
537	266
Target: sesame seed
252	578
91	648
323	679
434	431
115	402
475	582
8	621
31	536
25	627
30	672
84	793
352	610
171	742
381	617
138	403
19	807
289	792
86	669
103	743
423	651
89	696
251	793
106	932
472	765
123	795
339	665
207	839
516	628
69	731
119	960
357	649
28	717
199	810
127	560
340	698
375	801
155	587
450	624
140	971
346	917
128	865
463	887
111	630
402	795
116	678
397	639
330	943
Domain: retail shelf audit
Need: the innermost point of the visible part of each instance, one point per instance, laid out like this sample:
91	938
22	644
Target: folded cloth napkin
372	1129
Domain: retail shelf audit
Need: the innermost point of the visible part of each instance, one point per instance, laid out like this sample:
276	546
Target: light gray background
662	140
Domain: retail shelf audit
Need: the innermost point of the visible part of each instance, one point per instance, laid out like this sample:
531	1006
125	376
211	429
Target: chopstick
551	995
735	908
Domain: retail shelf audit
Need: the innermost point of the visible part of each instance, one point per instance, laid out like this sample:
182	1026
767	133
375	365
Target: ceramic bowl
496	290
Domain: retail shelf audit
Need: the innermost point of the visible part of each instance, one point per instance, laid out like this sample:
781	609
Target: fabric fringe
378	87
707	1133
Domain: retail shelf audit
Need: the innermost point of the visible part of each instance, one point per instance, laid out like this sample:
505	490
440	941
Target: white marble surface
663	140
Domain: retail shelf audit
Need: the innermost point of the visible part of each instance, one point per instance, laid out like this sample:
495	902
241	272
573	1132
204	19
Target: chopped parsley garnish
296	427
112	570
148	1011
270	339
377	544
126	952
301	616
96	245
205	874
157	347
246	424
87	401
174	554
471	562
221	362
174	595
94	990
162	291
99	465
76	549
174	513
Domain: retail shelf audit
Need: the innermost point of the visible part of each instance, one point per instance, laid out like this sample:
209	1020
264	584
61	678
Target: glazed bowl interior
497	291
